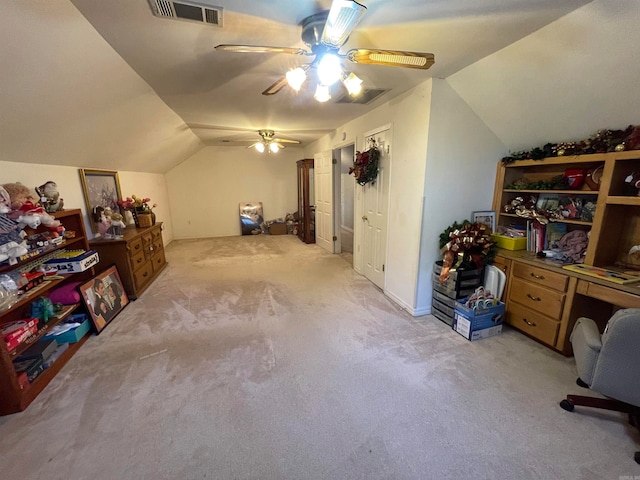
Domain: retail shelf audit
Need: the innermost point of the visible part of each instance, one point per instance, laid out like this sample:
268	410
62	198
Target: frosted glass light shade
260	147
322	93
274	147
329	69
295	78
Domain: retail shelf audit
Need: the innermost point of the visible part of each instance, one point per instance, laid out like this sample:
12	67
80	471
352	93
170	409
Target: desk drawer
539	299
533	323
546	278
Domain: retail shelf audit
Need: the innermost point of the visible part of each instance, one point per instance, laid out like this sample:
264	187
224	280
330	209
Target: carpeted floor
265	358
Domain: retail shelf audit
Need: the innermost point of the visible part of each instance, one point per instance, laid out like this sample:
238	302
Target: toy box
74	261
476	324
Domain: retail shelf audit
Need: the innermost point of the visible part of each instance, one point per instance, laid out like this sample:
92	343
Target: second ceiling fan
325	33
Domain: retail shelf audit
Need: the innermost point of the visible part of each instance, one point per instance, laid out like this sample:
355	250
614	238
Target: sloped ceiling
105	84
564	82
68	98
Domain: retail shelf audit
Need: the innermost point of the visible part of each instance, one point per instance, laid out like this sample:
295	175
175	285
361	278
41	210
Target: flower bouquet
141	209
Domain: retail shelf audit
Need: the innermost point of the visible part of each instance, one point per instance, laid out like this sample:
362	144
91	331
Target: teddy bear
18	194
49	197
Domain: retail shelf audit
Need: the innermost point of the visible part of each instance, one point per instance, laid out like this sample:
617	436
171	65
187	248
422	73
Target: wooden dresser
139	257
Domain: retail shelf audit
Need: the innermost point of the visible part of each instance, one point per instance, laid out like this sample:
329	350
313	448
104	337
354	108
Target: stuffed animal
18	194
49	197
102	217
5	200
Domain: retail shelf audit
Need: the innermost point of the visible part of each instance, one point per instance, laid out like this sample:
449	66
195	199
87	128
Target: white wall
205	191
564	82
70	187
462	157
409	115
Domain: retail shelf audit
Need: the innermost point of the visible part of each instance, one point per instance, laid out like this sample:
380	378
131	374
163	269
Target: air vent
190	11
365	97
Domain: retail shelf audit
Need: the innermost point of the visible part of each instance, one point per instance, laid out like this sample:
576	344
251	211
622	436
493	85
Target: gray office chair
609	364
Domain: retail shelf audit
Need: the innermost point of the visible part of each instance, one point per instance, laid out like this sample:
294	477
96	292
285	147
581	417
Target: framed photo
101	189
487	218
104	297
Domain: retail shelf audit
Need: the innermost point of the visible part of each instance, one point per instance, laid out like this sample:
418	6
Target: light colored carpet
265	358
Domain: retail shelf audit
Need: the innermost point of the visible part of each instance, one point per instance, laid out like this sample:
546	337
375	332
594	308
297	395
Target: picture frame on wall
486	217
101	188
104	297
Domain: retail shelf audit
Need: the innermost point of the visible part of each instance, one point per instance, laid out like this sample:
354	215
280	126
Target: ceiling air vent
367	95
190	11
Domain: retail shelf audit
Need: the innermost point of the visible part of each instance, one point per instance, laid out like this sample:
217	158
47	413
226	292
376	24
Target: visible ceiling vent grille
190	11
367	95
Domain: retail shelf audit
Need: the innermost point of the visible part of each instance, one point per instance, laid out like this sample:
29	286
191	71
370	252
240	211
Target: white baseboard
402	304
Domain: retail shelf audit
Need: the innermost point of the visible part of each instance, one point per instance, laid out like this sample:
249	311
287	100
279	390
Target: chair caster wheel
580	383
567	405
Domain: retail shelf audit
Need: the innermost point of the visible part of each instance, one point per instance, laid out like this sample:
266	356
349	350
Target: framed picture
104	297
487	218
101	189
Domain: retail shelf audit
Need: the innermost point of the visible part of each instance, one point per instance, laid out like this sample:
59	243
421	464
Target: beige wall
205	190
150	185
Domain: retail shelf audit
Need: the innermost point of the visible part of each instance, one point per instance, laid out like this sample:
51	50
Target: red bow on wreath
365	166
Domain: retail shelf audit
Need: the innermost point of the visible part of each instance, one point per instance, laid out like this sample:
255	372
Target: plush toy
32	215
5	200
101	216
49	197
18	194
117	224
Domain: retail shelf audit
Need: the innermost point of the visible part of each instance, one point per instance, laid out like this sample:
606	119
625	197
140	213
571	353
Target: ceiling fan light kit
325	33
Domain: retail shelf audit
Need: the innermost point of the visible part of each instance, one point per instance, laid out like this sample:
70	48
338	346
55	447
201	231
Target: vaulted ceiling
209	88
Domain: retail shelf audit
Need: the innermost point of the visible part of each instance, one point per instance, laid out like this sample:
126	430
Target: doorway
345	194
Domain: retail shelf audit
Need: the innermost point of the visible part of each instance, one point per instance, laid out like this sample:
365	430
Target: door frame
337	191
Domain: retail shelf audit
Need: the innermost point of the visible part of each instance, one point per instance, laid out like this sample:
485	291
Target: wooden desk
544	301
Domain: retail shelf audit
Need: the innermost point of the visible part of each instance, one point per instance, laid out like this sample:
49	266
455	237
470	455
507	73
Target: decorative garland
471	240
600	142
365	166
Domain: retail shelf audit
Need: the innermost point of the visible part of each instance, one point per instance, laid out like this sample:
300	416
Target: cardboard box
278	229
510	243
477	324
74	261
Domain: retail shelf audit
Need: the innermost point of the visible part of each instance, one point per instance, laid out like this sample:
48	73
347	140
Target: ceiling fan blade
393	58
261	49
343	18
276	86
286	140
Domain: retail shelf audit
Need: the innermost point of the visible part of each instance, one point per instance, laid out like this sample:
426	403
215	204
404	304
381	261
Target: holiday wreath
365	166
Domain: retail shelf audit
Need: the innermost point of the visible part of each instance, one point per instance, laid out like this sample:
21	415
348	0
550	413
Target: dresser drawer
503	264
138	260
547	278
539	299
533	323
134	246
158	260
143	275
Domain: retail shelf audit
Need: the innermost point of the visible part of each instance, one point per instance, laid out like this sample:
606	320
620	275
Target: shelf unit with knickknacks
544	300
13	397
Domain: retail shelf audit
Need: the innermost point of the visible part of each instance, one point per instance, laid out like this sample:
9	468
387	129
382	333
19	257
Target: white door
375	199
323	182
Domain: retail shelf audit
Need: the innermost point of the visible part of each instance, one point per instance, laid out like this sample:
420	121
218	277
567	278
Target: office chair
609	364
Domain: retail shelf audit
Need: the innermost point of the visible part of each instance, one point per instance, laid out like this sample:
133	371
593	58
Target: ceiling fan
268	143
325	33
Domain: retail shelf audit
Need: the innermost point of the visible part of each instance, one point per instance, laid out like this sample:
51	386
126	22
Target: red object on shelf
575	177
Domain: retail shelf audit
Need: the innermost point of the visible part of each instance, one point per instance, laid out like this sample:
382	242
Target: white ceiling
221	92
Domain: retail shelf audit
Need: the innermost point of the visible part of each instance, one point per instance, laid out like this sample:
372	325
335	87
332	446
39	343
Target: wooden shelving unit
13	398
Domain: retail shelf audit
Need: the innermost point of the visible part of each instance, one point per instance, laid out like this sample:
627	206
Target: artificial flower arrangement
137	204
365	166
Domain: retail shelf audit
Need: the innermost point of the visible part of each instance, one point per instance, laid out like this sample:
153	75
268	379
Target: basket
144	220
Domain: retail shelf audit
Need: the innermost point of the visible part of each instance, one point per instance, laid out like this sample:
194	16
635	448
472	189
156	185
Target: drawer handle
531	324
539	277
504	269
145	274
535	299
139	260
137	247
